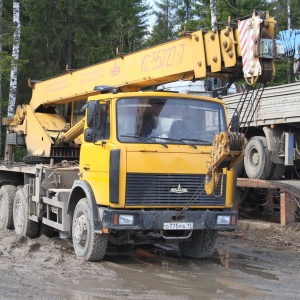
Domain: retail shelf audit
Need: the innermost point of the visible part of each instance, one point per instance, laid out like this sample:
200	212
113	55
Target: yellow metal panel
268	27
94	166
198	54
230	188
212	51
227	47
170	162
52	123
37	140
237	42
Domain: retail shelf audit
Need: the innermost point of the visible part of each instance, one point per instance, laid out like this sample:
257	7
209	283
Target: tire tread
202	245
9	192
30	228
96	248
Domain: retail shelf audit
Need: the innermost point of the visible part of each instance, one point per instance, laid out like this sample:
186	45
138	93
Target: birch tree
213	13
14	69
1	6
14	62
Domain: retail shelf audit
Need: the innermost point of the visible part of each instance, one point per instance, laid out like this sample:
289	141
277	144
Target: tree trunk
1	6
213	13
14	71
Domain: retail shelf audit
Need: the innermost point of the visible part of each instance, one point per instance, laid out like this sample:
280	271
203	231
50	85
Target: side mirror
91	135
93	114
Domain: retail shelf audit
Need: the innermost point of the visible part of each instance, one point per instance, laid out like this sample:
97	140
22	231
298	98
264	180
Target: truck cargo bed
278	105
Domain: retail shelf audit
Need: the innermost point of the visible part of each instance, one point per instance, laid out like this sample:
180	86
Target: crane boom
246	48
180	59
199	54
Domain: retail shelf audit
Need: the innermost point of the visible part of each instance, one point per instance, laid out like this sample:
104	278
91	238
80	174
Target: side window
104	127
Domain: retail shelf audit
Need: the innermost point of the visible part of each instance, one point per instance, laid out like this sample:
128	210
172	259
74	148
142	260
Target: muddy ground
256	264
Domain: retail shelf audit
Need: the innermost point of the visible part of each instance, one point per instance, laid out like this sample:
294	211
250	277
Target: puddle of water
168	257
242	263
161	269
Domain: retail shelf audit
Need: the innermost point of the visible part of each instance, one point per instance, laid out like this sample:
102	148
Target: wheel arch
82	189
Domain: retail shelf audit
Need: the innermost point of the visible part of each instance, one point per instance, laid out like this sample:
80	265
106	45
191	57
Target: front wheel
201	245
86	242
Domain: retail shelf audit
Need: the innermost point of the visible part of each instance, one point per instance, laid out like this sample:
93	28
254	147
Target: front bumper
154	220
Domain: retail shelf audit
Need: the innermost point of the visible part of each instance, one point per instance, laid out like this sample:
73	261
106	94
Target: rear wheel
7	194
201	244
22	224
46	230
87	243
257	160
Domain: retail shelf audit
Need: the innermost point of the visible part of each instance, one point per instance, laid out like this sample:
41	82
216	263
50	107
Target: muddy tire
23	226
7	194
257	160
86	242
277	170
46	230
201	245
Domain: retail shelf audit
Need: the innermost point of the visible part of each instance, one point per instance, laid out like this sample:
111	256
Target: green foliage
284	72
76	33
19	153
239	8
280	11
93	29
163	29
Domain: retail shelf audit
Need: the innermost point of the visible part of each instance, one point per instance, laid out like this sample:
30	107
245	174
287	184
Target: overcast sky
151	17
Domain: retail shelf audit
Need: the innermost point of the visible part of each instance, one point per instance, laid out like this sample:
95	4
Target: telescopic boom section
219	54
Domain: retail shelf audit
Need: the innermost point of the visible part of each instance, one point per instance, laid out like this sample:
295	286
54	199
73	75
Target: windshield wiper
176	140
197	140
145	138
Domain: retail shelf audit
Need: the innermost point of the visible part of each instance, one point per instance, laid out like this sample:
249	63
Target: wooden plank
287	209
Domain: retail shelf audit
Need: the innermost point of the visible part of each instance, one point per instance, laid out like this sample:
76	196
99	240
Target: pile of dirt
282	238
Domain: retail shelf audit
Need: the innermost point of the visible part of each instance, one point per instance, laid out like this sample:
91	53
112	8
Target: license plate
178	226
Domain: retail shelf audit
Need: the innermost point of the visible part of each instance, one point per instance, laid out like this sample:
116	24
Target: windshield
169	120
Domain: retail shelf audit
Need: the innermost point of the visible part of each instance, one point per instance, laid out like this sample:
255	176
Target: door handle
86	168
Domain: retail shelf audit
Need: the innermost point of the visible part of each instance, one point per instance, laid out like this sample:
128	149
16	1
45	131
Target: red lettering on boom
162	58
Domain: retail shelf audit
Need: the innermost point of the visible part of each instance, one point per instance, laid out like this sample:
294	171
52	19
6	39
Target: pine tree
165	27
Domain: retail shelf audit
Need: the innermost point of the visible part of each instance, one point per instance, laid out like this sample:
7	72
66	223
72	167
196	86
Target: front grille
154	189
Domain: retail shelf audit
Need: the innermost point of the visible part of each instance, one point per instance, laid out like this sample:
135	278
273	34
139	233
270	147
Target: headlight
223	220
126	219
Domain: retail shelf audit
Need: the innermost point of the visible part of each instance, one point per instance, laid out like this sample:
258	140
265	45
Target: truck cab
140	158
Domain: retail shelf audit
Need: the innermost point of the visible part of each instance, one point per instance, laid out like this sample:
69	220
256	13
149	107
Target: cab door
95	152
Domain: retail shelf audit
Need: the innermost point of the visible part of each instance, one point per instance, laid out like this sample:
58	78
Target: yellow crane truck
109	163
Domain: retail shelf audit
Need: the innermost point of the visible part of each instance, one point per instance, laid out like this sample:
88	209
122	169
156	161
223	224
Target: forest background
52	34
